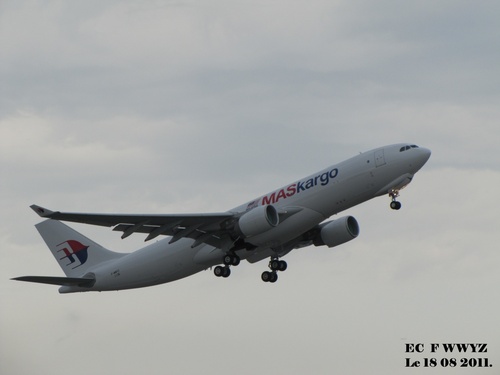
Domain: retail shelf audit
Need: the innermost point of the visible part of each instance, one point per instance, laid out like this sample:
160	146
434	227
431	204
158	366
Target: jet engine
337	232
258	220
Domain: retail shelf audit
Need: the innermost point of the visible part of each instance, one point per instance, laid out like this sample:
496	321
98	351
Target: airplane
269	226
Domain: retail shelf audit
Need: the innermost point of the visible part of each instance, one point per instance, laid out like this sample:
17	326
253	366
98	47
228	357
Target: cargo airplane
268	227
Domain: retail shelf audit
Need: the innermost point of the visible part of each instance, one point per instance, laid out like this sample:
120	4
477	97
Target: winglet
42	212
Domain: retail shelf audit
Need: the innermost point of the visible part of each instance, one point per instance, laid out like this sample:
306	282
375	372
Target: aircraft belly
155	264
208	255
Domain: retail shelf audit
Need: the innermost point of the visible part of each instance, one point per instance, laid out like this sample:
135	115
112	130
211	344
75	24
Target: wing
213	229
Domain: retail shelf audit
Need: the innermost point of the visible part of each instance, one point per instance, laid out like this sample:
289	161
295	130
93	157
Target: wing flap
54	280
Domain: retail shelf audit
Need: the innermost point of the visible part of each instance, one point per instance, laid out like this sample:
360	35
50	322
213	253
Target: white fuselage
318	196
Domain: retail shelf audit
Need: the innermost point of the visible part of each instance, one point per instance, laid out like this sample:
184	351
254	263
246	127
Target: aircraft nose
423	155
426	154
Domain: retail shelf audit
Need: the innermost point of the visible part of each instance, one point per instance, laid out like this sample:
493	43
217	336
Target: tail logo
75	252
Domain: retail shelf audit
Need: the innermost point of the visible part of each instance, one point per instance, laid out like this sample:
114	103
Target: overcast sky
199	106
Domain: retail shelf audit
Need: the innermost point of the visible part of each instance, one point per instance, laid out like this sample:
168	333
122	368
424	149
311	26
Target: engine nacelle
258	220
337	232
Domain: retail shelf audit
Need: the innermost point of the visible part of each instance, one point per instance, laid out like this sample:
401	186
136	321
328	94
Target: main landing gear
275	265
228	260
395	204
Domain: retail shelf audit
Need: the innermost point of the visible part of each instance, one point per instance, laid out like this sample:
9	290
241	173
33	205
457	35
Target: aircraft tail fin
74	252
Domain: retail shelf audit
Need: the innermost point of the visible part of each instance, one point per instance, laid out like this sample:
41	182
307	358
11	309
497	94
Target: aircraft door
379	158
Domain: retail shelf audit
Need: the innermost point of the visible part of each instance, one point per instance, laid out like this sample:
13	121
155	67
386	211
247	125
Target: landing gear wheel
278	265
220	271
266	276
395	205
274	265
282	266
236	260
274	277
269	277
231	260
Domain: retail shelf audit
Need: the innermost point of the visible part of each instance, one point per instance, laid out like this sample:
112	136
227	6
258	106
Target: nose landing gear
395	204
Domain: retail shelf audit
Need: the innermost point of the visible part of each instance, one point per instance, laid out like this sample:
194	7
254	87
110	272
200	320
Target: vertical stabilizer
74	252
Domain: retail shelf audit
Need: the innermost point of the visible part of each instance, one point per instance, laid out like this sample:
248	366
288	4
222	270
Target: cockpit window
404	148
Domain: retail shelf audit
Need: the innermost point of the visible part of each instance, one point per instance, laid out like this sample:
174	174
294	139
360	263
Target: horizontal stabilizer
67	281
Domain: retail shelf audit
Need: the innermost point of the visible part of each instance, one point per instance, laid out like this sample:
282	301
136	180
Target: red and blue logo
75	252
